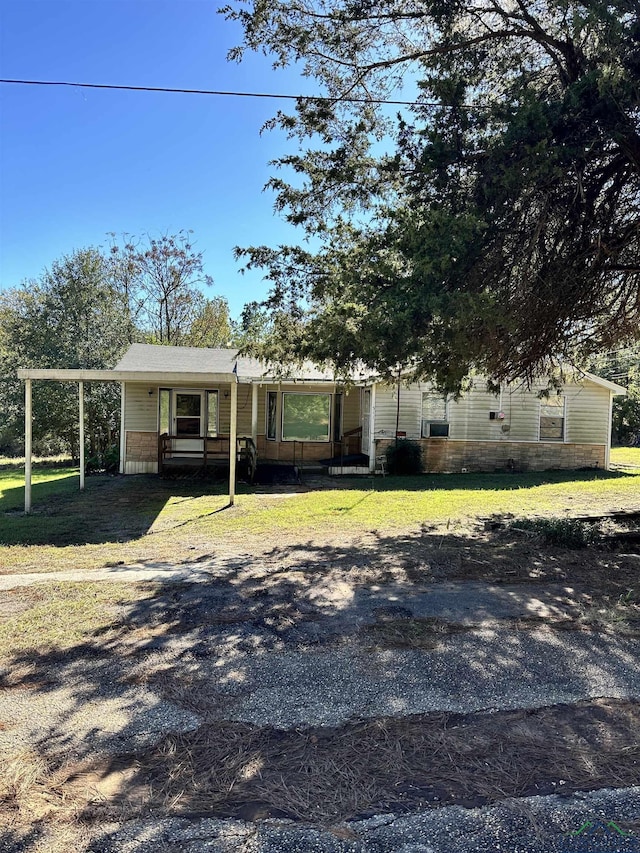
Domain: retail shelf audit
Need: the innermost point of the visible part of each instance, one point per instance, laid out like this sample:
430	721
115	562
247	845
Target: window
306	417
272	408
552	418
164	411
337	417
212	414
187	414
435	423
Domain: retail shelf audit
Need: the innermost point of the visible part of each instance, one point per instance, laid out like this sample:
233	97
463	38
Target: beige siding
586	413
140	467
141	408
386	410
521	408
469	416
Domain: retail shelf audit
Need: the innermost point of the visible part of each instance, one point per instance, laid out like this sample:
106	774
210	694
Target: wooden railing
212	450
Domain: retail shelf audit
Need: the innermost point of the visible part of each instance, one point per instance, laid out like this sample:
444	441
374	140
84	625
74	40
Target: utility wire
273	95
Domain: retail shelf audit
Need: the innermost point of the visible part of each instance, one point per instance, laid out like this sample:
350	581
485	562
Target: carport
29	375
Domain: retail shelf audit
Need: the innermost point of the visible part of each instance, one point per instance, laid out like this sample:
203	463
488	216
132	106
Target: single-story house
184	402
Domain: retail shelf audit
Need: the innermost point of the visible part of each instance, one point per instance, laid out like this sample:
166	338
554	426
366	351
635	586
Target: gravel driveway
297	654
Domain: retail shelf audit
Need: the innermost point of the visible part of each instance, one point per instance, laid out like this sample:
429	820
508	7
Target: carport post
27	446
233	433
81	420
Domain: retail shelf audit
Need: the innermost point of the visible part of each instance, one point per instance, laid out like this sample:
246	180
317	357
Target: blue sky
77	163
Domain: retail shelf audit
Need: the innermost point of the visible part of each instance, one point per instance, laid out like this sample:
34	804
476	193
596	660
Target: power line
273	95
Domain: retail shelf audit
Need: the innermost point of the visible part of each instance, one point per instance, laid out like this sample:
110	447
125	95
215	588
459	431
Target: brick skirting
446	456
142	447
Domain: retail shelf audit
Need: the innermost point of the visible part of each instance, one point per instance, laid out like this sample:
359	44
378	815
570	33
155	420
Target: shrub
565	532
404	457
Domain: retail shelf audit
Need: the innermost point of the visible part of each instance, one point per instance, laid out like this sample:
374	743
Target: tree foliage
162	277
83	313
623	366
72	317
495	224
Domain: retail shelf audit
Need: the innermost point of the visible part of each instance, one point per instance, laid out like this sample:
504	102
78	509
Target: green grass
46	482
62	615
625	456
144	518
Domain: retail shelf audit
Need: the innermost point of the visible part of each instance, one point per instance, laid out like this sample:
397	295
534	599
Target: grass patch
47	482
61	615
625	456
130	519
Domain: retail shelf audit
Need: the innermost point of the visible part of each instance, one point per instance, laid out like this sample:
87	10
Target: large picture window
306	417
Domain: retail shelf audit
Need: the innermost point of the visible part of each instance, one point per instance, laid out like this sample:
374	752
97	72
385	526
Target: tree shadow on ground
188	700
122	509
111	509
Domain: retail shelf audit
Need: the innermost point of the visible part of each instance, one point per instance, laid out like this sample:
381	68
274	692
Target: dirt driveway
416	693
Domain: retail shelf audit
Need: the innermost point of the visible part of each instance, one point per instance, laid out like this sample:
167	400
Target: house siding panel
469	416
386	410
141	408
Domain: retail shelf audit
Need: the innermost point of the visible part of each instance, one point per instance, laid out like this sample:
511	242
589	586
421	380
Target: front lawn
145	518
625	456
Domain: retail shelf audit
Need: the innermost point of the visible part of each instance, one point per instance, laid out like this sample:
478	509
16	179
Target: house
182	403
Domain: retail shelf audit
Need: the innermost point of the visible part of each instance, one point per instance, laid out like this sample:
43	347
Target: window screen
212	414
163	411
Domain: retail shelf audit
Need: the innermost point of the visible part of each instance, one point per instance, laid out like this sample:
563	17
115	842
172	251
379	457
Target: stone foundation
448	456
142	447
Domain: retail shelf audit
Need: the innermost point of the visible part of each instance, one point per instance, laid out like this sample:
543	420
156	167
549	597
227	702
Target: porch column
81	420
233	432
27	446
254	414
123	439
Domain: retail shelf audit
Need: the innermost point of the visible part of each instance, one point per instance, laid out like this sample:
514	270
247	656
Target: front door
188	424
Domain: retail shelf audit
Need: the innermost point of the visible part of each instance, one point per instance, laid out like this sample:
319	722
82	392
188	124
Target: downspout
254	414
398	408
372	424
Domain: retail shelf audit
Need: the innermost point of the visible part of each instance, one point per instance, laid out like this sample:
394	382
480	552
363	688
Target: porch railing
213	450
